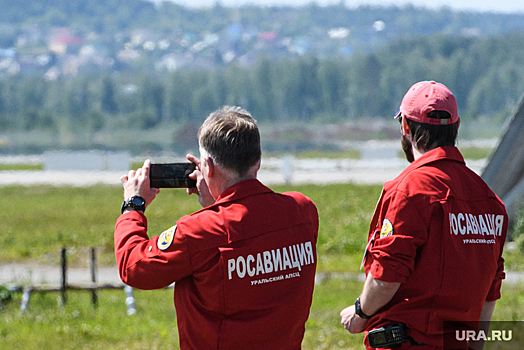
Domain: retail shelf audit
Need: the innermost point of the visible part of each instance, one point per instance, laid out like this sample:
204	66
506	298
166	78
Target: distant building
62	40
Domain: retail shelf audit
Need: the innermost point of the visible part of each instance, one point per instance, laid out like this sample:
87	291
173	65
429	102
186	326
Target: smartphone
171	175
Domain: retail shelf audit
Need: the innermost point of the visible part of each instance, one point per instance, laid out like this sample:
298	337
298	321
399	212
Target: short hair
425	136
231	138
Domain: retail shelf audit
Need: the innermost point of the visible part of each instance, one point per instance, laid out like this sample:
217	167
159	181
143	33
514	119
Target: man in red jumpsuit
434	256
244	265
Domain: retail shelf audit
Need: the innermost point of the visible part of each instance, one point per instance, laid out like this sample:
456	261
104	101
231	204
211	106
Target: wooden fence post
63	281
94	291
64	286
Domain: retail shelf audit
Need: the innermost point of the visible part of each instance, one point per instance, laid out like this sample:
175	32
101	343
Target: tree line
486	75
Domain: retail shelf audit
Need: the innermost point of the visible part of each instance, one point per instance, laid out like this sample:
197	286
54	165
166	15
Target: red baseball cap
427	96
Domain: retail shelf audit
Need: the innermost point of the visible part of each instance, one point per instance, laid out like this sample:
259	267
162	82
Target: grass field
475	153
78	325
38	221
18	167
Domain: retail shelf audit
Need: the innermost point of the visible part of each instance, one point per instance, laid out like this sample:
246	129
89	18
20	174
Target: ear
405	127
210	166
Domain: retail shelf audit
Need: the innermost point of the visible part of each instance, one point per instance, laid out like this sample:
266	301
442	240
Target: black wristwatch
135	202
358	310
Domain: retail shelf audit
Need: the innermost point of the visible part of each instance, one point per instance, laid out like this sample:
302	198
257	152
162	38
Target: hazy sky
505	6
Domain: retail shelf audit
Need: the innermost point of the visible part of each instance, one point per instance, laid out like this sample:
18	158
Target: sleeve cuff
389	273
494	291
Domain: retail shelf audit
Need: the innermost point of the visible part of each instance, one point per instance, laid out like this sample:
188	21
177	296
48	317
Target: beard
406	147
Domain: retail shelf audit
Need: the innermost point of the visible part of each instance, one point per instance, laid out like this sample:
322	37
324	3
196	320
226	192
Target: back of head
431	112
231	138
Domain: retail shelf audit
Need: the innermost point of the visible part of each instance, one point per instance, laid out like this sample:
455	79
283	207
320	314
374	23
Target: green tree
31	96
334	87
241	91
78	99
266	104
301	88
364	87
203	101
151	95
178	97
108	101
220	87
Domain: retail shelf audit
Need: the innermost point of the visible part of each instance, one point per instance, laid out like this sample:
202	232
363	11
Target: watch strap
129	203
358	310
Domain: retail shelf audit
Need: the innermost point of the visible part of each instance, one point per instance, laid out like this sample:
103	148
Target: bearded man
433	261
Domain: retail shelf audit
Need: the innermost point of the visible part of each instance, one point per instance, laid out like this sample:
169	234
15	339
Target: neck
417	153
229	178
233	181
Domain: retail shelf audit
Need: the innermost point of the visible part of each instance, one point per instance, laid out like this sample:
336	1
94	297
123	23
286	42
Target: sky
501	6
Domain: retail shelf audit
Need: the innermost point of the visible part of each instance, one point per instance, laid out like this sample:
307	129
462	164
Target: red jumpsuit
244	267
439	231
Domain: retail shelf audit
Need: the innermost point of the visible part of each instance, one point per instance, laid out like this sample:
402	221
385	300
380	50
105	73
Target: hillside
77	72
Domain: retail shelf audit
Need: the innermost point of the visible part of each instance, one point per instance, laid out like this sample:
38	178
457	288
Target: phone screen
171	175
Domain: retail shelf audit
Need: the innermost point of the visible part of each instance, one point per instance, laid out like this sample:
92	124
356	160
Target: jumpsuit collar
242	189
439	153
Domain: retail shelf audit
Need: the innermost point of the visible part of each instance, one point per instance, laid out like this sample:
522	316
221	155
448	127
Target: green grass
38	221
79	326
475	153
45	325
511	305
345	211
514	260
323	328
18	167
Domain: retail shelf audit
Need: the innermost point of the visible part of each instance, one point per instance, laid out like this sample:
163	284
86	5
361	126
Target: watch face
138	201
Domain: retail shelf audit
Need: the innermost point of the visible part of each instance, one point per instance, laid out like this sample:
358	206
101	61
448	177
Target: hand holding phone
205	198
136	183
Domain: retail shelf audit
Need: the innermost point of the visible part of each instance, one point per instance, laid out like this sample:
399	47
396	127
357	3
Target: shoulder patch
166	238
387	229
